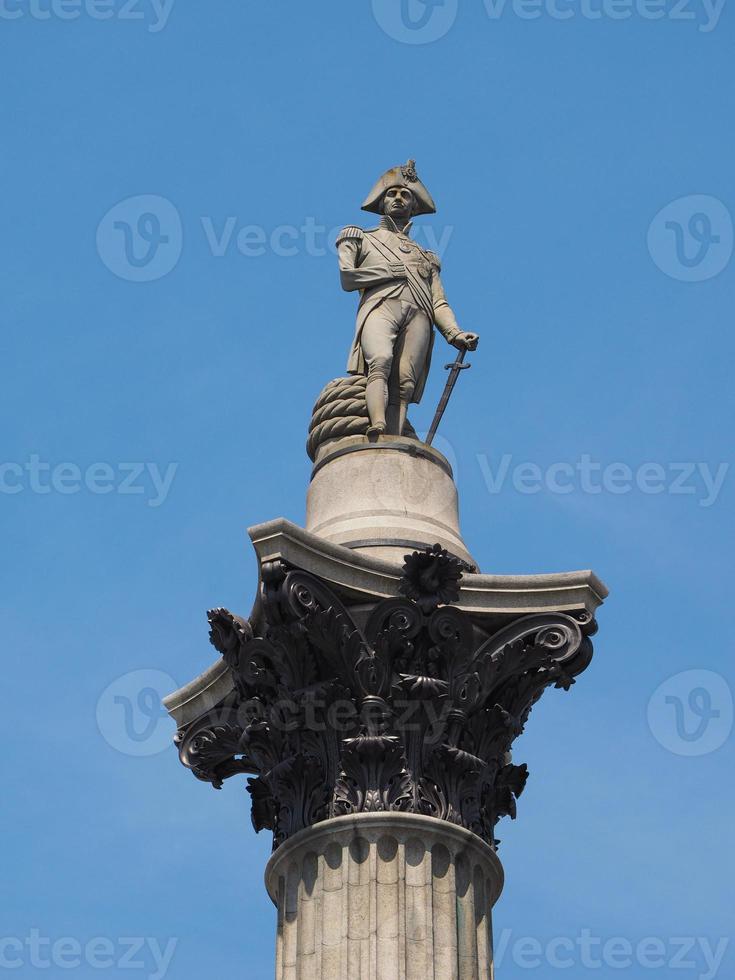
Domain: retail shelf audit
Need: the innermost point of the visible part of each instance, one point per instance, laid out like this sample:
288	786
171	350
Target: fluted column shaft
384	896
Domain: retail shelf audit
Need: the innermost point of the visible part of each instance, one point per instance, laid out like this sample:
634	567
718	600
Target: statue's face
398	203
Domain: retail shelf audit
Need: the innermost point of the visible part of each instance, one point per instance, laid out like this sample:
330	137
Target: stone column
384	896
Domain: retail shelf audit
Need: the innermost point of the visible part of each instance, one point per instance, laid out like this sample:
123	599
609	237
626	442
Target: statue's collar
389	225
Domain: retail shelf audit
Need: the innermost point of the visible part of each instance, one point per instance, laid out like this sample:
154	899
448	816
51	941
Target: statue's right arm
354	276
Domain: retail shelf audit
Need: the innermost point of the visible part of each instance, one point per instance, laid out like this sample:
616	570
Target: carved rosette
416	712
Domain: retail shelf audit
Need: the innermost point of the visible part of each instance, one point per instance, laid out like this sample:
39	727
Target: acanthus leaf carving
417	711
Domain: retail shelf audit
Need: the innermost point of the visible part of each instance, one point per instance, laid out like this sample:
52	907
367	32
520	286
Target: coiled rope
340	411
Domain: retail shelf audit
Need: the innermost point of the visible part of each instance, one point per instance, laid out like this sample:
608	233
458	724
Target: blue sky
582	166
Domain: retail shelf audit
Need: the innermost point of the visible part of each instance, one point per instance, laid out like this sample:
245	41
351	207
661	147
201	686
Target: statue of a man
401	298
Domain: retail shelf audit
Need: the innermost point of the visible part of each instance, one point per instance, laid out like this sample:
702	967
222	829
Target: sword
454	370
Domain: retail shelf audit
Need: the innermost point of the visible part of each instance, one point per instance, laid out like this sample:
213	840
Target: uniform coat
382	262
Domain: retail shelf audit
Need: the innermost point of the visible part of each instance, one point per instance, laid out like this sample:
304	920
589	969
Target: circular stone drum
384	498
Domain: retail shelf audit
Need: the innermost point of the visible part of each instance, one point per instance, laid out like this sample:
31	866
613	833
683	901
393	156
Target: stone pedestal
384	498
384	896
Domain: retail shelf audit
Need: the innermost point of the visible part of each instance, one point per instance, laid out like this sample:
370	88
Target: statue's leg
377	339
392	413
396	406
411	350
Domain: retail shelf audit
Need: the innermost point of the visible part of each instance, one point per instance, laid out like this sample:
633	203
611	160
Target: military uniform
401	298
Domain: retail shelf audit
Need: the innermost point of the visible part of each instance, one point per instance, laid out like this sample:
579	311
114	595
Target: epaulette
351	231
434	259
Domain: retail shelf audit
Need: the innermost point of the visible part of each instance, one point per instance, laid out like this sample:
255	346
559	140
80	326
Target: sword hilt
458	363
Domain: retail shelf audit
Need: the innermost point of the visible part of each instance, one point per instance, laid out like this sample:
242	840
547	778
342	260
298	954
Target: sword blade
454	372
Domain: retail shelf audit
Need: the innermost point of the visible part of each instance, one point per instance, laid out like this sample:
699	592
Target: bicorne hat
404	176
